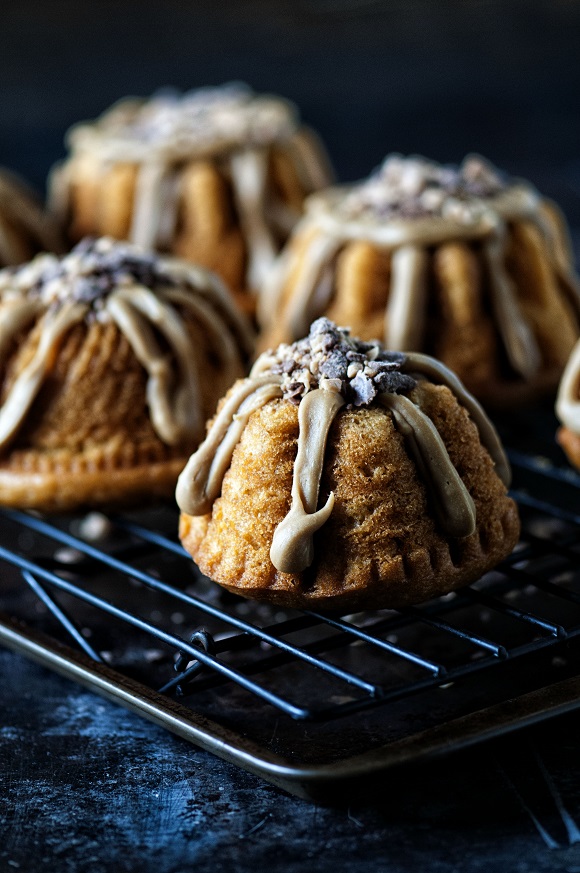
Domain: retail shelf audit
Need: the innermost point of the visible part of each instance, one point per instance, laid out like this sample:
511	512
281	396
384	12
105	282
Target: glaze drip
568	400
452	502
405	315
415	362
107	281
29	381
325	373
200	482
293	545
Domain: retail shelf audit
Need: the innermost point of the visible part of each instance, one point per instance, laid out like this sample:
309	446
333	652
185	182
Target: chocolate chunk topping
331	359
89	273
414	187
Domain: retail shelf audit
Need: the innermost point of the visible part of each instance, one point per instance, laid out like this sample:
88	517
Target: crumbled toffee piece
414	187
329	358
87	274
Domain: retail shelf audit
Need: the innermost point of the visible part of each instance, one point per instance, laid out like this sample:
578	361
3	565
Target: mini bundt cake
111	360
568	408
342	476
460	263
26	228
217	176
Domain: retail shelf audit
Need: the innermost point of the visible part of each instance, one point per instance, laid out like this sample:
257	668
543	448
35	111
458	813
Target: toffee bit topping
230	114
414	187
329	358
87	275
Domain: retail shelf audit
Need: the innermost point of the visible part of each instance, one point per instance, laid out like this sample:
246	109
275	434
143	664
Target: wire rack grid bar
514	571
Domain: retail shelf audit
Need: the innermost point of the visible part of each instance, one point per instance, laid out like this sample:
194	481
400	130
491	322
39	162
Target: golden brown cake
216	176
461	263
111	360
25	226
342	476
568	408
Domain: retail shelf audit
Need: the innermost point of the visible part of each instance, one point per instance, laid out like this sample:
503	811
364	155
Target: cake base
62	490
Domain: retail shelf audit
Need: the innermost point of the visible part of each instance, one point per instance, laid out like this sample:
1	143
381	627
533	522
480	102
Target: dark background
86	786
374	76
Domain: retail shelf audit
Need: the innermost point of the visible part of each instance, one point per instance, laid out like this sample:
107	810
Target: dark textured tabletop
86	785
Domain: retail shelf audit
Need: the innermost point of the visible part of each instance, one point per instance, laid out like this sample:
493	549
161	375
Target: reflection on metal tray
318	705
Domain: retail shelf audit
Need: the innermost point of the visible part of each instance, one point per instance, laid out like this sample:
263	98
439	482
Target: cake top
88	274
329	358
99	271
223	117
150	299
415	187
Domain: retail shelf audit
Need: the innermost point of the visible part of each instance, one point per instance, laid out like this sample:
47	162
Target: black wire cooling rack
314	703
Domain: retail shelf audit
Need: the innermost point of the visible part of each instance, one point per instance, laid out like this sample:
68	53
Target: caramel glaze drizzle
200	482
424	365
173	392
568	400
453	505
28	382
292	547
409	241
